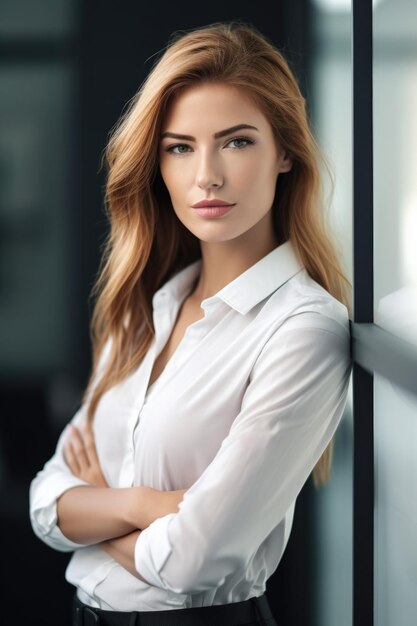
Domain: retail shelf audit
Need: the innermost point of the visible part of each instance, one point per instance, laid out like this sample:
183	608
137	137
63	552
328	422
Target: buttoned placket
164	314
140	381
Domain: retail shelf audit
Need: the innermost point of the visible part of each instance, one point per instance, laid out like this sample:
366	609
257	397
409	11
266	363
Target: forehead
209	102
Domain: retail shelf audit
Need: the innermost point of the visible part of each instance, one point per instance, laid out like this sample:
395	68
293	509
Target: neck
224	261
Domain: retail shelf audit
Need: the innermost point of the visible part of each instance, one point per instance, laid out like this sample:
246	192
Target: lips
210	203
213	211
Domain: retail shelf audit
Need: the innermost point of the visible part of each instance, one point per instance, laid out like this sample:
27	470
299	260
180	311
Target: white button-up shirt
240	415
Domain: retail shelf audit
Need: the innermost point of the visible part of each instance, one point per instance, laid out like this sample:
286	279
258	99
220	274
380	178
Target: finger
78	448
71	459
90	445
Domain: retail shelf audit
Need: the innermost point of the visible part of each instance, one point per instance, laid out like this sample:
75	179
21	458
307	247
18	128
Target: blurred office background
67	70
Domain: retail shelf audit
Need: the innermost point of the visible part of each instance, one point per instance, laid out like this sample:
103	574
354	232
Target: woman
221	355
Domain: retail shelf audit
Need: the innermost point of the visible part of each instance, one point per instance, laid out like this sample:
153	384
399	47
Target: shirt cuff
43	512
152	549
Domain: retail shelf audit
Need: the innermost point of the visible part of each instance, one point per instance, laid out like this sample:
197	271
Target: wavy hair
147	244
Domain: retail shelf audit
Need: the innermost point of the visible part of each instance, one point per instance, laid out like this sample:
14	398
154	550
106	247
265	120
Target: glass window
395	504
395	158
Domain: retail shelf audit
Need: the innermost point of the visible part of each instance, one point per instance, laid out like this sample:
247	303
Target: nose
208	174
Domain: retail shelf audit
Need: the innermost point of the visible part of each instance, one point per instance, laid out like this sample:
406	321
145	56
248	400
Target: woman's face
239	166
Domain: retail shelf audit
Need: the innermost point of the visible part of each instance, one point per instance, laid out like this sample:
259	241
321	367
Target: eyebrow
221	133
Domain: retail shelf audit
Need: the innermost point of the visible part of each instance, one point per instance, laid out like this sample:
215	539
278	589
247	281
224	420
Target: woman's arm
122	550
155	504
89	515
93	514
289	412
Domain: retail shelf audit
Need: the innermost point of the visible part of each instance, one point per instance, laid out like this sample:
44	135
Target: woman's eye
245	139
179	145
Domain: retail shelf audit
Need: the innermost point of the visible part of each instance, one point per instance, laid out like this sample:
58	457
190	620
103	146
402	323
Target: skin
134	507
110	517
242	168
226	168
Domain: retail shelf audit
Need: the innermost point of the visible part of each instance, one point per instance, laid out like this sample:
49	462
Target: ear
285	163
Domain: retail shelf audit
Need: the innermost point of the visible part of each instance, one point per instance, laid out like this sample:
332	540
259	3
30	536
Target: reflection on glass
395	505
395	157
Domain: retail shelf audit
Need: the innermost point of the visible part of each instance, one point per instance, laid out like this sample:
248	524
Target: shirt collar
246	290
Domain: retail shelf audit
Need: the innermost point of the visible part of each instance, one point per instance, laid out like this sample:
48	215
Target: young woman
221	357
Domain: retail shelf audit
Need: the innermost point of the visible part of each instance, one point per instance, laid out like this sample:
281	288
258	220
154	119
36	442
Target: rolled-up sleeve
290	411
48	485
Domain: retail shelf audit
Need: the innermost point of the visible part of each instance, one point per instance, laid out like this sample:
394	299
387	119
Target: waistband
255	609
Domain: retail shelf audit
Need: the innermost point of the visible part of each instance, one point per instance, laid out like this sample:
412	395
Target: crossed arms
289	413
99	514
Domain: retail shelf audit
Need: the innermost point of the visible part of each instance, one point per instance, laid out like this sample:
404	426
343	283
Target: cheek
252	175
174	176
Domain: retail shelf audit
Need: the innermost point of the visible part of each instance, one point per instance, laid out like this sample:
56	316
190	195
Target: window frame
374	350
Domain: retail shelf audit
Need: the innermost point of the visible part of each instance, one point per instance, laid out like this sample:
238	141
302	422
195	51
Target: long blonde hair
147	243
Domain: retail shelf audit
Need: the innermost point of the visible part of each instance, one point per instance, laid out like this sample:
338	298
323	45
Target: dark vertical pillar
363	409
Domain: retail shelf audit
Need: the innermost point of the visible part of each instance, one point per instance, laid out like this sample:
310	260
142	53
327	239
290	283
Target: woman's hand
148	504
81	455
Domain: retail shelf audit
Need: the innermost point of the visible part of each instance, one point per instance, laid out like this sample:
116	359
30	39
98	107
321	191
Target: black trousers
252	612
